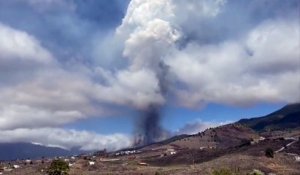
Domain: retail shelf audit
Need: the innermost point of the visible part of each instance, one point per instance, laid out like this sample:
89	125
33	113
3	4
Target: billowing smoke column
148	127
148	38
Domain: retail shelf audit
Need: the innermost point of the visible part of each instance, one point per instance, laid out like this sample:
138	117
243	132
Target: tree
269	152
58	167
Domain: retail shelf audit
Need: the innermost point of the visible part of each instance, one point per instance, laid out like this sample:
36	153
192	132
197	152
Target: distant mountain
13	151
287	117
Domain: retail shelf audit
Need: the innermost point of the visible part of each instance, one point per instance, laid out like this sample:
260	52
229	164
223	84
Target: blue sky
85	73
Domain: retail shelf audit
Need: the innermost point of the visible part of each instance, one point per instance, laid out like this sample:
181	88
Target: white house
91	163
16	166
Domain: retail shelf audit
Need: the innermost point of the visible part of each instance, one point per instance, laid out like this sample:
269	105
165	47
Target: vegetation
224	171
58	167
157	173
256	172
269	152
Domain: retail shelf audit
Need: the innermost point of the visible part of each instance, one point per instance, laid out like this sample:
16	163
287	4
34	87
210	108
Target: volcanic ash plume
148	39
149	129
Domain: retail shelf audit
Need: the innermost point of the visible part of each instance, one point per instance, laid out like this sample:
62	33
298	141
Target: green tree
58	167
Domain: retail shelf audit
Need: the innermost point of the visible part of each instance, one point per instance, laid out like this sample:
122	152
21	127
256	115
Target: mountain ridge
287	117
23	150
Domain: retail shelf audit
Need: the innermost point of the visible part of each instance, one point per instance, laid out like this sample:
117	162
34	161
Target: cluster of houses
127	152
17	164
171	151
8	167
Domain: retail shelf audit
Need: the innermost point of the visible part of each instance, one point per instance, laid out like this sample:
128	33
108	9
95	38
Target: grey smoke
149	128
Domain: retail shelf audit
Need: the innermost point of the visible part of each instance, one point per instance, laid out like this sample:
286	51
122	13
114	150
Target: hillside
13	151
287	117
236	134
222	137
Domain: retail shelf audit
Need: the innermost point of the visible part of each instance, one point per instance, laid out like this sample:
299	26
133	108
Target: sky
81	73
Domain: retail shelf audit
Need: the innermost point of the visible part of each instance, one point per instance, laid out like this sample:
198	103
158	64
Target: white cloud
15	116
250	70
56	97
275	46
39	91
66	138
44	94
51	98
149	44
130	88
20	46
21	56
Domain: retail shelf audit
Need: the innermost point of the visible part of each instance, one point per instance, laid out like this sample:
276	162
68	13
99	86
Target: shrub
157	173
256	172
269	152
223	172
58	167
